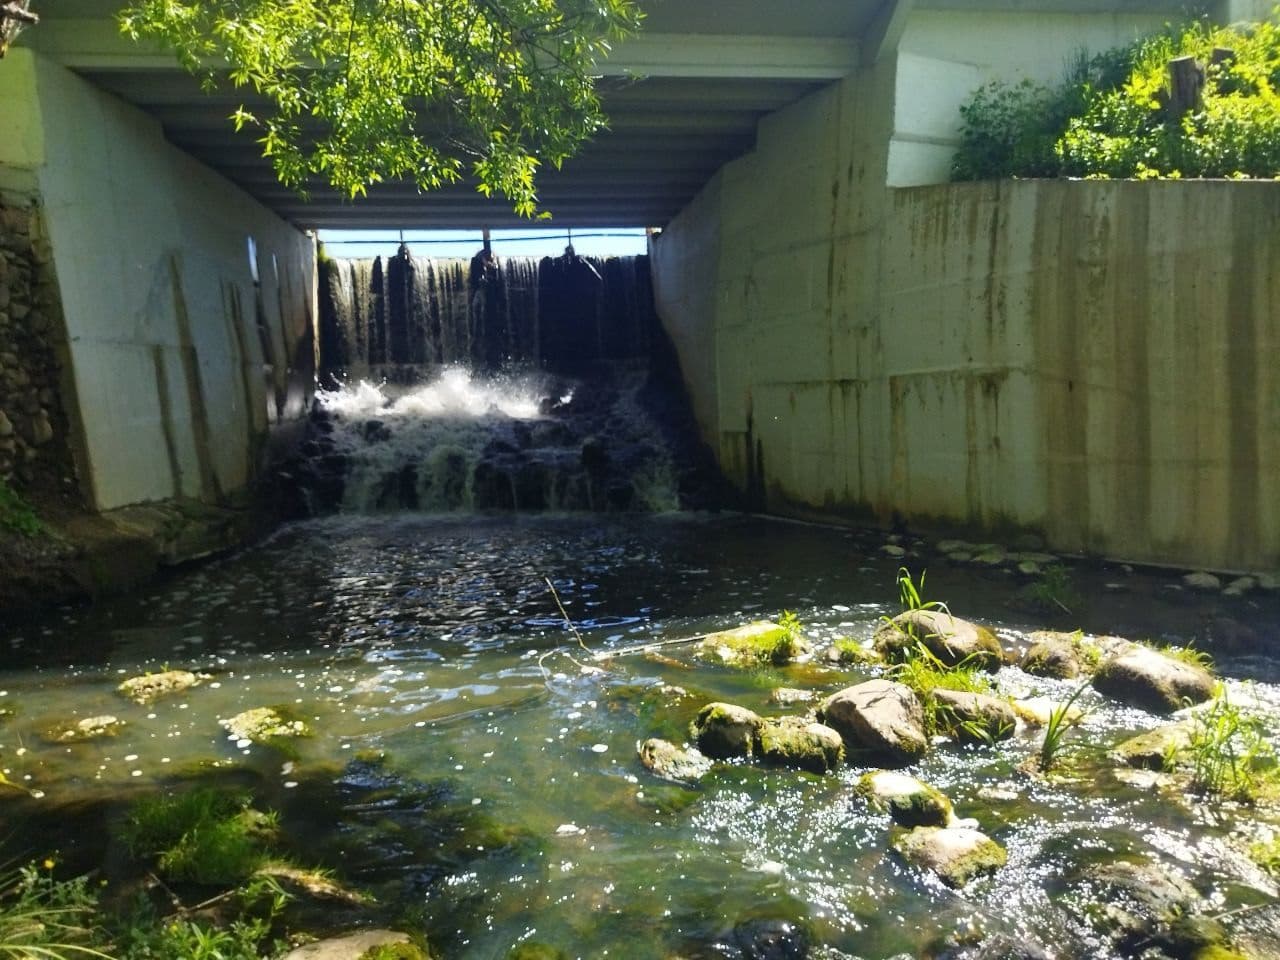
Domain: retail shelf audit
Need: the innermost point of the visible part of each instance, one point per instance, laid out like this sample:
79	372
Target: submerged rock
724	730
974	716
1037	711
90	728
153	686
908	801
797	742
664	759
533	950
1141	907
789	696
1142	677
1154	749
879	716
372	944
955	854
264	725
948	638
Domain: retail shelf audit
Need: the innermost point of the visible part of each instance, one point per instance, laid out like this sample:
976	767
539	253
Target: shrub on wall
1113	115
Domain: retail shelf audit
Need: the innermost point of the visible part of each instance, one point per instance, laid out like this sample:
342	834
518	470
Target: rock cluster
32	423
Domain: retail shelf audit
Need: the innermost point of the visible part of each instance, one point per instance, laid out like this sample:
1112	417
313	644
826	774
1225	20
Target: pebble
893	550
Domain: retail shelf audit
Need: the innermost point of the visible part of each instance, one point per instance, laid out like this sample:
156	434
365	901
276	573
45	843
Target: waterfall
516	384
396	320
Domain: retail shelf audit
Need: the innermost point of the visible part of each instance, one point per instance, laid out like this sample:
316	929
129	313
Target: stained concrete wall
1087	360
179	361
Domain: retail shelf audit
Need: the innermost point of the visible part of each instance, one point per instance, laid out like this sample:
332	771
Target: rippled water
509	804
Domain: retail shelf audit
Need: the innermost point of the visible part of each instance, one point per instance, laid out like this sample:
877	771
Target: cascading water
509	385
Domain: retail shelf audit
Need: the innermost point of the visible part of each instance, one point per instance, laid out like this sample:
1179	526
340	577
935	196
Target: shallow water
510	805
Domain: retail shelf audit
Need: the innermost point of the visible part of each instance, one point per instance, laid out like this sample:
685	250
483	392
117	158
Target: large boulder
1146	678
974	717
723	731
880	717
797	742
955	854
907	800
664	759
950	639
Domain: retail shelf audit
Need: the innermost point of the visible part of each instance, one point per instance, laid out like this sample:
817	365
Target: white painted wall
144	237
1083	359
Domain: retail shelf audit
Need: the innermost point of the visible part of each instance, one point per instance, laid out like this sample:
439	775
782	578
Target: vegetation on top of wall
1114	115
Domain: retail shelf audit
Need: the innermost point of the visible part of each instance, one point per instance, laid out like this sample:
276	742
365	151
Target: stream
476	769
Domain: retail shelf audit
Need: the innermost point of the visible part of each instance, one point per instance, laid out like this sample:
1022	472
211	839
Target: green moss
536	951
395	951
16	515
763	642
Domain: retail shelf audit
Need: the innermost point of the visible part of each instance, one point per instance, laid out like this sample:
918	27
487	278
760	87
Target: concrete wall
179	361
1087	360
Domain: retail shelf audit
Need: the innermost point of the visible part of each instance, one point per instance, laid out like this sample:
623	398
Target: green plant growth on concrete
1114	115
16	515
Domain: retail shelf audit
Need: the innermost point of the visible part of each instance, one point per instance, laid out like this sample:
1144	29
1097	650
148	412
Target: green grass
41	917
924	673
1190	655
1229	755
204	835
1053	746
1054	592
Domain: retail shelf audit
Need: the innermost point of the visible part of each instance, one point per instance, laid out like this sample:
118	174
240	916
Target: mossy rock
152	686
82	731
751	645
952	640
973	717
536	951
1146	678
955	854
1054	655
670	762
362	945
1153	749
800	743
908	801
723	731
266	725
880	717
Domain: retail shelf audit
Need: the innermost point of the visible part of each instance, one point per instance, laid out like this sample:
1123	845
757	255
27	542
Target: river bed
473	765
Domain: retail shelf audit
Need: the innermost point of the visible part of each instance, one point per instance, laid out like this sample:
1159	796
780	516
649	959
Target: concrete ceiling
683	98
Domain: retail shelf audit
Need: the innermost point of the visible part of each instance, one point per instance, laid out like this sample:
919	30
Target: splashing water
454	393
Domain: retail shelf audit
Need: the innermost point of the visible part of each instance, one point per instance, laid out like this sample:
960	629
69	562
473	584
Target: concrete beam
885	31
98	45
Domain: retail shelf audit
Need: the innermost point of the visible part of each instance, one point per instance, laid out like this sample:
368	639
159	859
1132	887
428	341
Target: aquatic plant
911	596
204	835
788	645
1055	731
41	917
1228	753
16	514
144	934
1053	590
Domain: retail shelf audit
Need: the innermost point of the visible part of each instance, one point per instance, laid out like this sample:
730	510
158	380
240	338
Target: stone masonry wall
35	447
